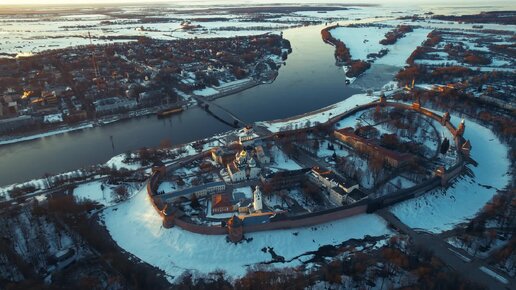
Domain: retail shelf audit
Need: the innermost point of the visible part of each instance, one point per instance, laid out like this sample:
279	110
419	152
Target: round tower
445	118
168	214
461	128
235	229
383	99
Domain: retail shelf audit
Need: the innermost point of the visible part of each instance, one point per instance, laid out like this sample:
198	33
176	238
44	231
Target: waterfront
309	80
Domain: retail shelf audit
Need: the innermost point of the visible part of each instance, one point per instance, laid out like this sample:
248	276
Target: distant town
101	84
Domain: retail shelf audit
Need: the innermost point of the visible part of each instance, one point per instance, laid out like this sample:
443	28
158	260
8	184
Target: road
467	266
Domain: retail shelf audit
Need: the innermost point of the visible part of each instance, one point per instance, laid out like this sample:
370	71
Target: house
340	191
261	156
393	158
109	105
221	203
341	196
283	179
12	124
198	191
223	156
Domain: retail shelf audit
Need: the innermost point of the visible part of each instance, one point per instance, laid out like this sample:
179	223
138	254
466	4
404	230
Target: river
309	81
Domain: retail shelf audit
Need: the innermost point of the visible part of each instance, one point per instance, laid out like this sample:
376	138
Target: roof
194	189
158	163
235	221
349	132
357	194
220	200
288	173
256	219
330	175
16	119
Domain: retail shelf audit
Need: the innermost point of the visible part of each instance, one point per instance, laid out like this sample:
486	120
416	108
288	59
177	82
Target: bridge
206	104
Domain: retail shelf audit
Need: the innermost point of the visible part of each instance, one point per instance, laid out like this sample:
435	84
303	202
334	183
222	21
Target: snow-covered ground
175	250
441	210
401	50
361	41
282	161
320	116
101	192
206	92
46	134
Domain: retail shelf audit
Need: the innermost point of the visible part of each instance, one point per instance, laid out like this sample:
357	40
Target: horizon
245	2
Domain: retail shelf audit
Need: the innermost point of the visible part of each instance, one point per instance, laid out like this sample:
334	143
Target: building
223	156
340	191
12	124
341	196
257	200
114	104
461	128
198	191
283	179
466	148
221	203
393	158
243	168
235	229
261	156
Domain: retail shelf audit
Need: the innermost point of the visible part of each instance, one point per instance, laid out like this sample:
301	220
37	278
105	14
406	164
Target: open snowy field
321	116
137	228
362	41
440	210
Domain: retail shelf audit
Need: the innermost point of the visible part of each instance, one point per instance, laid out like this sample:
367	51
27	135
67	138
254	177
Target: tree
194	201
121	192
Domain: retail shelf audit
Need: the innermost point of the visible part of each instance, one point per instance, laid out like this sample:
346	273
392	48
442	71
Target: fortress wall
308	221
332	214
200	229
408	193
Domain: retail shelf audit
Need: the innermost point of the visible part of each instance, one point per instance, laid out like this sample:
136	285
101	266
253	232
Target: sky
198	2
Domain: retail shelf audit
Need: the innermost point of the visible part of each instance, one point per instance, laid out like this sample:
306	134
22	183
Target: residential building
198	191
393	158
221	203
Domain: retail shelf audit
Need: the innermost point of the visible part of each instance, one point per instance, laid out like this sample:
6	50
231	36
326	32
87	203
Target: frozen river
309	81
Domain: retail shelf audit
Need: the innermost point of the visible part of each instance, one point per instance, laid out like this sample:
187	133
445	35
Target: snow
403	48
47	134
442	209
246	190
167	187
305	202
320	116
118	162
175	250
361	41
282	161
206	92
92	191
325	152
494	275
54	118
402	182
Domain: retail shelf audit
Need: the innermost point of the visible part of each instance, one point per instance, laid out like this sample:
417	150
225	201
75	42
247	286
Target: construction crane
98	80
